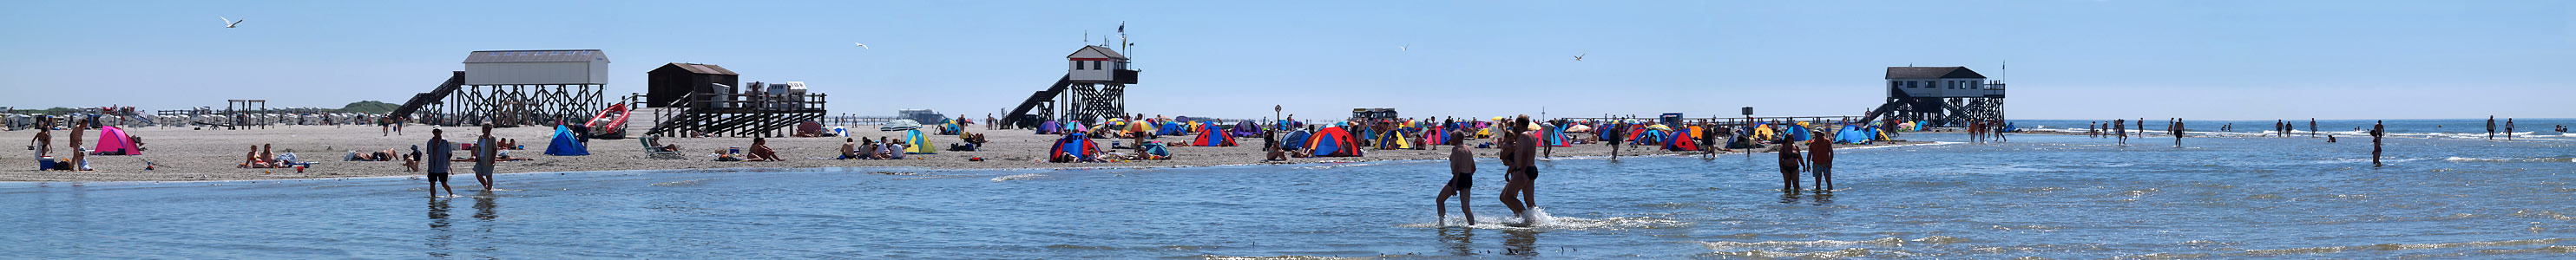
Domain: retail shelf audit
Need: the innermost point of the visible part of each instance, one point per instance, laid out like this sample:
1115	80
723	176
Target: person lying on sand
500	157
379	156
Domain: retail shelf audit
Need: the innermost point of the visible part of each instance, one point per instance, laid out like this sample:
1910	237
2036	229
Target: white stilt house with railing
1944	96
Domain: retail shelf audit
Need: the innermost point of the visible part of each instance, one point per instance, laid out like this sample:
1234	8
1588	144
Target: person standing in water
485	154
2176	128
2121	127
2312	127
2490	127
2377	129
1820	155
2508	130
1462	174
1528	163
440	152
1517	143
1616	130
1789	161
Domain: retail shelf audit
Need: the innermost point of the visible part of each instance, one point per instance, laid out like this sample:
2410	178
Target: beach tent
1852	135
1762	132
1554	136
917	144
951	127
566	144
1795	133
1246	128
1214	137
1156	151
1048	127
1295	140
113	141
1333	142
1073	145
1651	136
1171	128
1395	140
1682	141
1439	135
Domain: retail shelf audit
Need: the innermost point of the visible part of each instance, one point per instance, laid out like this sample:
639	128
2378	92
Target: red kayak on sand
610	124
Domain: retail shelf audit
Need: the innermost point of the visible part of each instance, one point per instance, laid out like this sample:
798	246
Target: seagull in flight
229	22
1579	57
862	45
1406	47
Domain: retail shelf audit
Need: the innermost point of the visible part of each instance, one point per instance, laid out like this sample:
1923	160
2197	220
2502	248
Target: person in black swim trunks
1520	154
1462	174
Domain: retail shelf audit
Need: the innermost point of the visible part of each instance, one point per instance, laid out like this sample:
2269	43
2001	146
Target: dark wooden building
675	81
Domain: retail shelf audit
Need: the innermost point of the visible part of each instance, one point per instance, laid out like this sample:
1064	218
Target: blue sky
2071	59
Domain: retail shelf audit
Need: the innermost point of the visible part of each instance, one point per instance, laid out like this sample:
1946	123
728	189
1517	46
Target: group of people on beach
43	144
872	149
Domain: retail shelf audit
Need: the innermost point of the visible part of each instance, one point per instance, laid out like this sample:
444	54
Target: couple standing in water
1519	156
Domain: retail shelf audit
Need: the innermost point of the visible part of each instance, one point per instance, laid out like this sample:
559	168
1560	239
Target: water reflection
1461	241
1789	197
1522	242
1824	198
438	228
483	206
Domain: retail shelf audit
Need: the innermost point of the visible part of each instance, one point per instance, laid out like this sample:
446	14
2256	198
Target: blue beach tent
566	144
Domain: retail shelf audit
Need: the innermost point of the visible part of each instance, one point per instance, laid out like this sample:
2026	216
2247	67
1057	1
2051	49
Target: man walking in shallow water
2176	128
1520	170
1462	174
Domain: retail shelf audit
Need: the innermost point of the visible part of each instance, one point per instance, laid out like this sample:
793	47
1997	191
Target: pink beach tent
112	141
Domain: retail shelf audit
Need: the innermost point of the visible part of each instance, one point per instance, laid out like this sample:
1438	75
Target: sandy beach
183	154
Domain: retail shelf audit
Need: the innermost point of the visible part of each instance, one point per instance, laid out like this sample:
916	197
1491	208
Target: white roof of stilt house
524	56
1096	52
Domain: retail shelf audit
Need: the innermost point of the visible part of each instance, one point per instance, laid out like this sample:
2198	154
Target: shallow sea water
2038	196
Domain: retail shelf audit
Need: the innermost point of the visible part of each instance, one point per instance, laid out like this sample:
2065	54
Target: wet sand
182	154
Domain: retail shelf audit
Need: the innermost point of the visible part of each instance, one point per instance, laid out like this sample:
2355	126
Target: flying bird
1579	57
229	22
862	45
1406	47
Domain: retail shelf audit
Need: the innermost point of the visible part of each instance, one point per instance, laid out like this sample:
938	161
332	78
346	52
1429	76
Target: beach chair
651	151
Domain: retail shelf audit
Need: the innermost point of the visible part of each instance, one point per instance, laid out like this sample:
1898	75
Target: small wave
2537	159
685	183
1331	165
1889	241
1284	257
1022	176
1843	253
1540	219
2395	247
